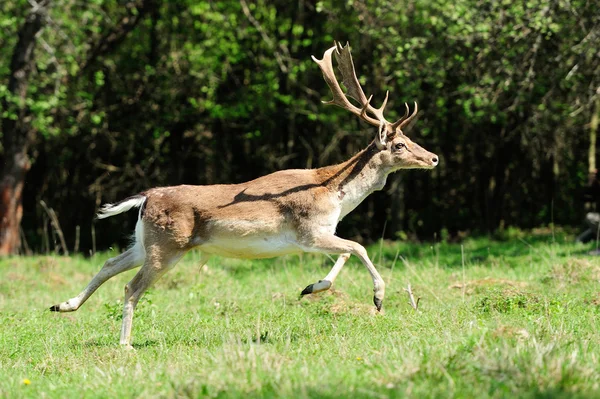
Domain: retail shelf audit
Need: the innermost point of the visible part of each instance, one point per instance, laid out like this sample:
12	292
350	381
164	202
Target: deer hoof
307	290
322	285
378	303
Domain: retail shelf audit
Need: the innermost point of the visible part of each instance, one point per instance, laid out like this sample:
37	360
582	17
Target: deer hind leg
332	244
158	262
128	260
327	282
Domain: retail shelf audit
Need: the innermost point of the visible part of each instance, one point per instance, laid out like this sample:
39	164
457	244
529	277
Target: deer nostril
434	160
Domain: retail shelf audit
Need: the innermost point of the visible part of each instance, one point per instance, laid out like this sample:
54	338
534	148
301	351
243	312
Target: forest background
102	99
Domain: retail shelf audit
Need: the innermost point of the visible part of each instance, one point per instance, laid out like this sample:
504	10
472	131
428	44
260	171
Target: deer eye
400	146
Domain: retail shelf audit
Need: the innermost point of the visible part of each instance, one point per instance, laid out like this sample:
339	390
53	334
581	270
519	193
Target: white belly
251	247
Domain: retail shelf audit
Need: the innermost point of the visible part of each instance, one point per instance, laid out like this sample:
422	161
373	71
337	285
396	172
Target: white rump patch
109	210
139	235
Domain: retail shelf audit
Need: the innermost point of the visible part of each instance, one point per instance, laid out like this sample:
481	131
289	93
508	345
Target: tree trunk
11	208
16	133
593	134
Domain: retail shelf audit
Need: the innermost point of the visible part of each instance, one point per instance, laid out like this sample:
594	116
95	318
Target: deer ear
381	139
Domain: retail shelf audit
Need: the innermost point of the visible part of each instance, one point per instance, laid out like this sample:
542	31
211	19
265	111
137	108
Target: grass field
517	318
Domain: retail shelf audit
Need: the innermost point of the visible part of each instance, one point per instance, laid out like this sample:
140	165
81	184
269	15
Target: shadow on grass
272	390
113	342
561	393
481	251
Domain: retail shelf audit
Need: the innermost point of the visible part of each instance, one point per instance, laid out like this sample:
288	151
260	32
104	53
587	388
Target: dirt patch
473	286
573	271
595	300
334	301
512	332
278	296
331	293
56	279
11	276
47	263
354	308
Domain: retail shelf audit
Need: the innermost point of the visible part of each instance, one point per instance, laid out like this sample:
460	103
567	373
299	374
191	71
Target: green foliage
203	92
519	320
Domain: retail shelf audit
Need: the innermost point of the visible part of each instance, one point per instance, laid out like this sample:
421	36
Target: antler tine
399	121
407	121
378	112
339	98
353	87
363	111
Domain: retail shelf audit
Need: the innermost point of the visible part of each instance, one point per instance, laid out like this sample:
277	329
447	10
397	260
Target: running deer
285	212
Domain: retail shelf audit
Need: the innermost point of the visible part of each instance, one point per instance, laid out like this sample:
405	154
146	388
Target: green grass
517	318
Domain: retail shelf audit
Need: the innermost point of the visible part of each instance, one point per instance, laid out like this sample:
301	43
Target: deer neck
356	178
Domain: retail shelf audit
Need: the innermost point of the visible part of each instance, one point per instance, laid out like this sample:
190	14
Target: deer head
398	151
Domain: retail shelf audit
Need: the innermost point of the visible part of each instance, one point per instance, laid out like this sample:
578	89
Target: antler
353	88
354	91
366	112
404	121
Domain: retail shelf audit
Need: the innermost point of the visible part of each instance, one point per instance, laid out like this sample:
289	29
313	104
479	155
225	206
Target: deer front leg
332	244
327	282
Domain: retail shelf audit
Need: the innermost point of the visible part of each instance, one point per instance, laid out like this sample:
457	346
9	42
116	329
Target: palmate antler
366	111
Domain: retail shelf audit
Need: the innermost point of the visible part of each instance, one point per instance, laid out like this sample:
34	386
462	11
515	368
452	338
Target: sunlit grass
517	318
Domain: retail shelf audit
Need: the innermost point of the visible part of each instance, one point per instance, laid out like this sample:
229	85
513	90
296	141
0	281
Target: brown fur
293	199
